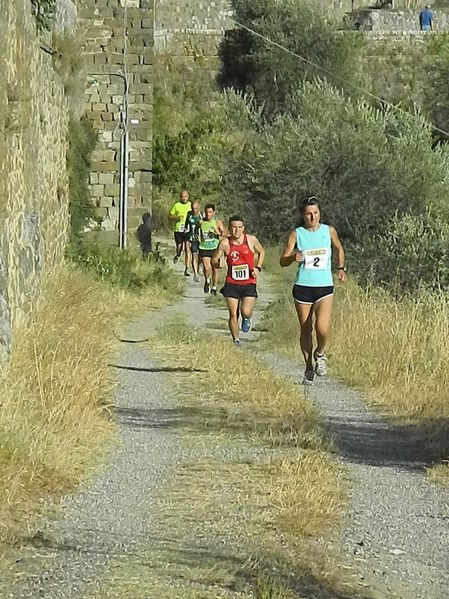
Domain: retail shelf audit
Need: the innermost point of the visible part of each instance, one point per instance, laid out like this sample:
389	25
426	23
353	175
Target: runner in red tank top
241	279
240	260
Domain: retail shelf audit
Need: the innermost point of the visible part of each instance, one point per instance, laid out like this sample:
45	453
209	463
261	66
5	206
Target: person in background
143	234
426	19
192	222
178	215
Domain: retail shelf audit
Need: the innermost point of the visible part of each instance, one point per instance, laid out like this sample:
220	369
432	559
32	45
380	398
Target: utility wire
328	72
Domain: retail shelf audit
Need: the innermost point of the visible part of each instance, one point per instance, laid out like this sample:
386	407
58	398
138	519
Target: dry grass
439	473
239	518
238	394
54	419
395	350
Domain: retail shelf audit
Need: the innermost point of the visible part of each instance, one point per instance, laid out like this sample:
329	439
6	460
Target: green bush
369	169
82	141
121	268
251	64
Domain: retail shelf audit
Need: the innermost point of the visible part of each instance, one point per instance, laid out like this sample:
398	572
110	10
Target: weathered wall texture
107	33
396	21
33	182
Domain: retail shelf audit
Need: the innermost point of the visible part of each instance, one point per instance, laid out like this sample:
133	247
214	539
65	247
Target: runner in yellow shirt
178	214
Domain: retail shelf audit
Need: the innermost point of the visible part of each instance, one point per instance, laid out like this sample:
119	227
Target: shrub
251	64
365	165
82	140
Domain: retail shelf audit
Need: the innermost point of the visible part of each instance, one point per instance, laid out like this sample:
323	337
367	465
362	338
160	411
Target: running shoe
237	343
186	273
213	291
196	278
246	325
320	366
206	286
308	377
175	259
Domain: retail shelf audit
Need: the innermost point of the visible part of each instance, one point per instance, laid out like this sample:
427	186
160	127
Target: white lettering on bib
240	272
316	259
181	227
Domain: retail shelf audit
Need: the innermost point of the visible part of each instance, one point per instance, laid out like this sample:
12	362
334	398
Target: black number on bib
316	262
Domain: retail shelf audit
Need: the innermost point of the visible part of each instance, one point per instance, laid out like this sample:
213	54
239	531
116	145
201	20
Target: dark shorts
310	295
180	238
206	253
194	246
239	291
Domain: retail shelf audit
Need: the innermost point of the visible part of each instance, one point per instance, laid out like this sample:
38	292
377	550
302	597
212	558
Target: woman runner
310	246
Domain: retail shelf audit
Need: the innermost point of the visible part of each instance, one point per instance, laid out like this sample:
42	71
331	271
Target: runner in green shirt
210	230
192	219
178	215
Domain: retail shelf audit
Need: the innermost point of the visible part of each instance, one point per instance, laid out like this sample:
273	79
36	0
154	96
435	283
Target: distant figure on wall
144	235
426	19
407	3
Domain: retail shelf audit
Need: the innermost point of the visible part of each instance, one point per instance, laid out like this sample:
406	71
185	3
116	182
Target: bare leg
214	277
207	268
323	311
247	306
188	254
233	305
305	315
195	262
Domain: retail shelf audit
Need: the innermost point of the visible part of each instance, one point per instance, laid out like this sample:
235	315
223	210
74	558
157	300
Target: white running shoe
321	366
308	377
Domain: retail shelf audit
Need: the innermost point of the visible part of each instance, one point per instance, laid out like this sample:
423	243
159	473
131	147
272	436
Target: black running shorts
206	253
239	291
310	295
194	246
180	238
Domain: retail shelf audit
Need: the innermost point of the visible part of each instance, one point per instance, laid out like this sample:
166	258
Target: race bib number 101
316	259
240	273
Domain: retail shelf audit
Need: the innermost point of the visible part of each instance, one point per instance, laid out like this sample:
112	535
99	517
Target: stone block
106	179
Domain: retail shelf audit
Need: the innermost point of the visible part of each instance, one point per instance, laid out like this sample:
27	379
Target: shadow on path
157	369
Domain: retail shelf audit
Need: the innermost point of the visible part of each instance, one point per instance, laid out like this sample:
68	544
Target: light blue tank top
315	268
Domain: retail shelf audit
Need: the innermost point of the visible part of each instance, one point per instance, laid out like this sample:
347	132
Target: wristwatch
343	268
259	268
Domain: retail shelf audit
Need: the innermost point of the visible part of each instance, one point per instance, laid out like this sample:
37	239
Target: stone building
119	34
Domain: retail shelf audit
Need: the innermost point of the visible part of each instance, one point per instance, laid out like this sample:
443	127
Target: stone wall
187	36
33	181
107	33
396	21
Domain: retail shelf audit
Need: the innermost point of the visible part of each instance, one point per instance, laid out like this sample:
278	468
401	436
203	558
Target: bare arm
221	229
336	244
289	255
222	250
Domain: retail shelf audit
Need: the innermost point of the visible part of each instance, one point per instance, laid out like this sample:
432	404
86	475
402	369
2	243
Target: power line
329	73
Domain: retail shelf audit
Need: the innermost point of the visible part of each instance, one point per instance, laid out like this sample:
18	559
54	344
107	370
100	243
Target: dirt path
111	517
396	529
397	523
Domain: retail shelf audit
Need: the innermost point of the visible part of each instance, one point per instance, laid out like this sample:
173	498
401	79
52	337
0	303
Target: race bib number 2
316	259
240	272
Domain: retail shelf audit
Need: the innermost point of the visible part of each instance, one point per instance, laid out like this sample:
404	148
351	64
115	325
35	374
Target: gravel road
112	516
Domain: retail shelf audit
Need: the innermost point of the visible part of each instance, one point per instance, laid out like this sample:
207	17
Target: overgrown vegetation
54	421
124	268
82	139
251	64
44	13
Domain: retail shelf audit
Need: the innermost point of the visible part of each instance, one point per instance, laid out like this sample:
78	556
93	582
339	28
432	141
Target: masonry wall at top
118	31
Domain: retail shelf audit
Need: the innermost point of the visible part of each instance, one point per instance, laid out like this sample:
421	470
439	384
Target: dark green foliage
370	169
251	64
44	13
175	152
122	268
82	141
438	84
